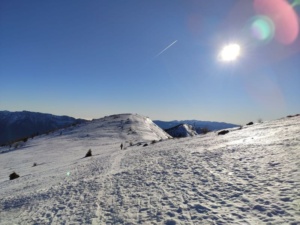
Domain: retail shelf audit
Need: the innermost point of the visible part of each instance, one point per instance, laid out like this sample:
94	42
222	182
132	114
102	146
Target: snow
182	130
248	176
196	124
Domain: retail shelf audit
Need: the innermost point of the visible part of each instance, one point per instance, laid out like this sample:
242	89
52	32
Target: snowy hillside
16	125
247	176
199	125
181	130
127	129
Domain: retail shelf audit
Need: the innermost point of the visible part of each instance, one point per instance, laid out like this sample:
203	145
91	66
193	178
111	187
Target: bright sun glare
230	52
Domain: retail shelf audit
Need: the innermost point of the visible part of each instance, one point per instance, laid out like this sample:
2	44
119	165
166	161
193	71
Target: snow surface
248	176
182	130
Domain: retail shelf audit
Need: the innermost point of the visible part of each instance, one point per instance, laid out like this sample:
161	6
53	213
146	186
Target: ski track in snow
249	176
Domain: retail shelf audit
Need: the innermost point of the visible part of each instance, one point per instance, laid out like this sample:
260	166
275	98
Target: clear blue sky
89	59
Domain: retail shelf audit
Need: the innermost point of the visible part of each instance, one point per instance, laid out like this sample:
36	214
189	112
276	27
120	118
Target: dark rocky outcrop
13	176
223	132
89	153
290	116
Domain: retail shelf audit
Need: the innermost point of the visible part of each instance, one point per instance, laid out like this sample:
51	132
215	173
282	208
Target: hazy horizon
154	119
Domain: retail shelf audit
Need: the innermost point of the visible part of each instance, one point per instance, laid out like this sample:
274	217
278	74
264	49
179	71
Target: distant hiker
121	146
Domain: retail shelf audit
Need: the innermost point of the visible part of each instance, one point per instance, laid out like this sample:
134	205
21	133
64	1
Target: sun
230	52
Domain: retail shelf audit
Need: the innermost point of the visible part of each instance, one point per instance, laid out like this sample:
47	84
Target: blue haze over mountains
24	124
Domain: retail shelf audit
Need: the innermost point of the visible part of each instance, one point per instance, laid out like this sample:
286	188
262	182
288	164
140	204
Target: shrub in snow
89	153
153	142
223	132
250	123
13	176
34	164
145	145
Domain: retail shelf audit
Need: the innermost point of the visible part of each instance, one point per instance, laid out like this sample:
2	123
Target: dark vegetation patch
13	176
290	116
223	132
89	153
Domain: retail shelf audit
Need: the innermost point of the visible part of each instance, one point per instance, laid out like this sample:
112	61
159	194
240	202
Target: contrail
165	49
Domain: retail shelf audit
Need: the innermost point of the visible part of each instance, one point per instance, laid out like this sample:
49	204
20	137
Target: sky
89	59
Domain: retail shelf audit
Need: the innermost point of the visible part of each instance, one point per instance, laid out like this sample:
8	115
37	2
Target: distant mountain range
198	125
18	125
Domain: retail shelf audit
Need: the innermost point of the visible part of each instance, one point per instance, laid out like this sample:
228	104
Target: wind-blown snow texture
248	176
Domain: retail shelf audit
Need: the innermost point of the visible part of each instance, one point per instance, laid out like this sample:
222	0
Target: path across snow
248	176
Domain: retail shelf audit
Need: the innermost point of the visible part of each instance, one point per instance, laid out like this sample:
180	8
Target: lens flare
284	17
262	28
295	3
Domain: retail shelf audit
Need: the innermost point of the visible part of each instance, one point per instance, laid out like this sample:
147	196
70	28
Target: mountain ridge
197	124
181	130
24	124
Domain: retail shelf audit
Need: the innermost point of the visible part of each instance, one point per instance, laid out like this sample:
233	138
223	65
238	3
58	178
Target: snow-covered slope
132	128
197	124
16	125
248	176
181	130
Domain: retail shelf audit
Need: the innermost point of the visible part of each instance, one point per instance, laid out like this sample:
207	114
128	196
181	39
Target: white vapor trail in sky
165	49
